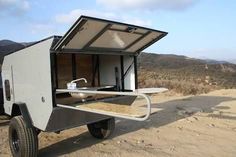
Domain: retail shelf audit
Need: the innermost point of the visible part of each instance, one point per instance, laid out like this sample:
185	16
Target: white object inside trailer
108	63
129	78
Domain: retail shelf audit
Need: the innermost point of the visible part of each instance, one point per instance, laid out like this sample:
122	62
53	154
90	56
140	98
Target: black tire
102	129
23	140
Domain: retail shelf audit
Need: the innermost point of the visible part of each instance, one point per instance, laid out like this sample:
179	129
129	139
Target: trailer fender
21	109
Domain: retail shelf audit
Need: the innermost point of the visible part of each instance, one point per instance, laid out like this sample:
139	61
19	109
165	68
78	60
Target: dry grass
148	79
184	75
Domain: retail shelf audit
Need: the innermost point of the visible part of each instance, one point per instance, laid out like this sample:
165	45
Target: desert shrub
180	86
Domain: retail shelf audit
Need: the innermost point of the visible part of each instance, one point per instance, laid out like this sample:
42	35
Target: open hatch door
93	35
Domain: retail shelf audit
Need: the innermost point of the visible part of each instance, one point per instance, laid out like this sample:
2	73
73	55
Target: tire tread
29	140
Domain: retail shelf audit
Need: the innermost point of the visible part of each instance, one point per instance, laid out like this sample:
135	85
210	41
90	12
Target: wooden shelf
114	109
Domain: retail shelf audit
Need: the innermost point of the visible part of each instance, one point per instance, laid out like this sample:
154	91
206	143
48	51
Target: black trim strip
52	65
136	72
97	36
97	51
122	72
73	62
55	69
93	70
98	61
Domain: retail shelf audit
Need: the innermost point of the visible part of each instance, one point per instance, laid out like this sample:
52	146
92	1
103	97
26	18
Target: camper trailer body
29	73
35	79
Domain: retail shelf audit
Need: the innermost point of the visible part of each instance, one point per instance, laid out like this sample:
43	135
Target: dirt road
184	126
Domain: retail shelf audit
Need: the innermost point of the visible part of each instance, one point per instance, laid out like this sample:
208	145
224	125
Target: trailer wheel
23	140
102	129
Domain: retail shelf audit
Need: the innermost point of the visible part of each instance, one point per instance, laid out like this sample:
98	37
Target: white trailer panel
31	81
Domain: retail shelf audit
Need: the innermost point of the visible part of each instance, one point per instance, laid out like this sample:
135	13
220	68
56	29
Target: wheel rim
15	141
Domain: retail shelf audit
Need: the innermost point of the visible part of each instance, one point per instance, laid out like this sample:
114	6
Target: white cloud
147	4
136	21
72	16
61	22
16	7
45	29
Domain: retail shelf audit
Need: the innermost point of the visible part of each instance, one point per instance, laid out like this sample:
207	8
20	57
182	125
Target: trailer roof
93	35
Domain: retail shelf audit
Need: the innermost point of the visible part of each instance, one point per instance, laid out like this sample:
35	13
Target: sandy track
184	126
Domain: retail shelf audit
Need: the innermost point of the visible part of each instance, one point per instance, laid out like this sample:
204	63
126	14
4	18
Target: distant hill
184	74
233	61
6	42
211	61
8	46
180	73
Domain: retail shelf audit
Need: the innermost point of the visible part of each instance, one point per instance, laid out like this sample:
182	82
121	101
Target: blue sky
197	28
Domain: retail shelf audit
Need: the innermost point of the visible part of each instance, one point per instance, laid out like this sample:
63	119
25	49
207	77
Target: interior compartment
102	72
110	64
110	61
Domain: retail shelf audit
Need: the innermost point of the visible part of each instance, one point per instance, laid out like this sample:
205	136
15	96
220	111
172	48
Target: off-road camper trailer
87	77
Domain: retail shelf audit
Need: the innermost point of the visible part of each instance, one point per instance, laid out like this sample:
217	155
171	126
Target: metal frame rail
146	97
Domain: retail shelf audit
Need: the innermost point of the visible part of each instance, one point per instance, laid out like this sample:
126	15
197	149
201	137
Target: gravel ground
195	126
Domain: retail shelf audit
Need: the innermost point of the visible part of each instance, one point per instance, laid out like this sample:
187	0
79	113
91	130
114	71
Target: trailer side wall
31	81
